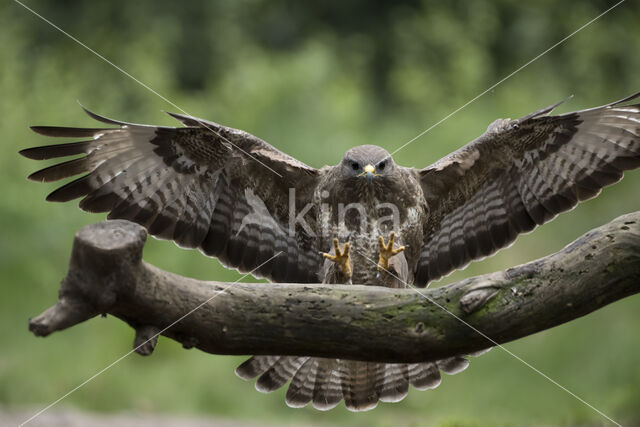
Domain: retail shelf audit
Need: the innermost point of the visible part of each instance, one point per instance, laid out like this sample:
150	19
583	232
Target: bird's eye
355	166
381	165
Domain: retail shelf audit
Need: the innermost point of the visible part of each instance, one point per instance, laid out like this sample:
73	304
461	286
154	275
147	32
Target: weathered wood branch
107	276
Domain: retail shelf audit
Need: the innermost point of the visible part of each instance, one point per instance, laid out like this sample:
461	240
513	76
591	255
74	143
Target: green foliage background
314	80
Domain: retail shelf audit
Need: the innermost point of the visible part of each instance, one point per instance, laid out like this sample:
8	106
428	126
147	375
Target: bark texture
107	276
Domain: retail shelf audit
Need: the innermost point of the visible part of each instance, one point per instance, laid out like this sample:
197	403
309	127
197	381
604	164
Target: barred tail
325	382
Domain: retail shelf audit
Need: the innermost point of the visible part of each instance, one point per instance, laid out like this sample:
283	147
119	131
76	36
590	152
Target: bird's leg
341	258
387	251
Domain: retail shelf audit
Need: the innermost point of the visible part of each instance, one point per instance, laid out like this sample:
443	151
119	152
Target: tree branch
107	276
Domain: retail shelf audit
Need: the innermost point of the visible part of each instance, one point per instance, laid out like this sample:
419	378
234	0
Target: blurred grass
313	101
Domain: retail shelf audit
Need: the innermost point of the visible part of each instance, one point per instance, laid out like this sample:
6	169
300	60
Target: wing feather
204	185
520	174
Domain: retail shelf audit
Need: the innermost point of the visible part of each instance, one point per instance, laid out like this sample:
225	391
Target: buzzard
366	220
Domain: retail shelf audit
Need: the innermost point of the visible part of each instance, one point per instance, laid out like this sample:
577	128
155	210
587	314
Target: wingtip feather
191	121
99	117
46	152
67	132
545	111
627	99
29	153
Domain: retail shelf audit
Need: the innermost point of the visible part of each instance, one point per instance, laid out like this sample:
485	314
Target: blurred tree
312	78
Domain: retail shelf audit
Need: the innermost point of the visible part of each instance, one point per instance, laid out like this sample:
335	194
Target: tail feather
424	376
278	374
395	383
300	390
359	384
255	366
325	382
453	365
327	392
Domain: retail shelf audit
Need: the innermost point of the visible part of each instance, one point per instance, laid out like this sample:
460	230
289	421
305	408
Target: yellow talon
387	251
341	258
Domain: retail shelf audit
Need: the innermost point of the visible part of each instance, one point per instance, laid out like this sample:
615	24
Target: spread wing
520	174
203	185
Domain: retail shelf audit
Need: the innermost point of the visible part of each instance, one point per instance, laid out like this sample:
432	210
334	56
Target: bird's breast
361	224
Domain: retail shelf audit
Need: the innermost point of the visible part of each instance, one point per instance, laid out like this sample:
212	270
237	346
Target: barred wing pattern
203	185
520	174
325	382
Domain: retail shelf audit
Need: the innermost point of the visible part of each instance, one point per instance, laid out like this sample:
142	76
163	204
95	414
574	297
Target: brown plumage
229	194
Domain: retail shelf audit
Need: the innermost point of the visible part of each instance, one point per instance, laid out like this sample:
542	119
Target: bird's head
367	162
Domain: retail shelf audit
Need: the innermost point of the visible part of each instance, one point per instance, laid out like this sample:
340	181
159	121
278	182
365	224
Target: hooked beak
369	172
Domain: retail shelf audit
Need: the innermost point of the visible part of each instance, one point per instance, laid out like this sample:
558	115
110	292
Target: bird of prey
366	220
